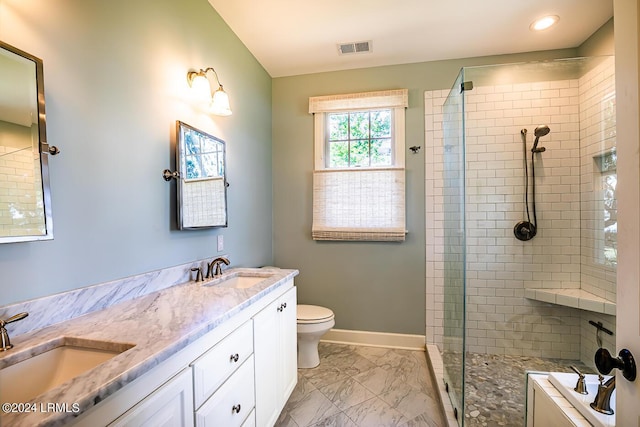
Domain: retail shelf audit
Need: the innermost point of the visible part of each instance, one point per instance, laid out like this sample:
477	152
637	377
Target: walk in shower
510	290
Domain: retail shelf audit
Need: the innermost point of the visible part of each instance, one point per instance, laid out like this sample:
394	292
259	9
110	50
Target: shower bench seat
576	298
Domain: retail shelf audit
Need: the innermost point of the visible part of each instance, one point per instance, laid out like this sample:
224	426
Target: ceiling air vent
355	47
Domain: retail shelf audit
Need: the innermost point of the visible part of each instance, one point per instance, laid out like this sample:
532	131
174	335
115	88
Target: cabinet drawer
216	365
231	405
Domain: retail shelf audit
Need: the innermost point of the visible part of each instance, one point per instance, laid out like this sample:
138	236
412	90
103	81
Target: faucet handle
13	318
577	371
580	387
199	277
5	342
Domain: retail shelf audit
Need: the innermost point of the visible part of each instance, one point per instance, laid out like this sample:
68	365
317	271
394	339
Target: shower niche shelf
576	298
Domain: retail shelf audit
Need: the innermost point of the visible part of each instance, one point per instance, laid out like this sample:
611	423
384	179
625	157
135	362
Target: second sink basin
240	280
40	373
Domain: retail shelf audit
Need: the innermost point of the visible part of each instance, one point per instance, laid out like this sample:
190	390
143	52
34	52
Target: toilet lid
313	313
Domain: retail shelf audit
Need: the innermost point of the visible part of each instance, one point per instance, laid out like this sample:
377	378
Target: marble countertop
159	324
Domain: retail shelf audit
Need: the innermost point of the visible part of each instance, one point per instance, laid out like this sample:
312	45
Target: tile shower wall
499	267
18	199
597	138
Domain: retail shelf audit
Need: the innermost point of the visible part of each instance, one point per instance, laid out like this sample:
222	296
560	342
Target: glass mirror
202	184
25	201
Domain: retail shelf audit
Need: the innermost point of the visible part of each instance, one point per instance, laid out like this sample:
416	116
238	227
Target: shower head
538	132
541	131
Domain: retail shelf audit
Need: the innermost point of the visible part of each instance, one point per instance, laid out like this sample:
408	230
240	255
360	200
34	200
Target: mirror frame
43	148
182	176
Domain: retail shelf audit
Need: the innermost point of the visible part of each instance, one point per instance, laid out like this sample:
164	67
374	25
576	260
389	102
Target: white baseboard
375	339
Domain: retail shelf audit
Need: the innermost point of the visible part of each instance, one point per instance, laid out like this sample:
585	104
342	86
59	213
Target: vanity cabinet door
289	345
546	413
169	406
275	342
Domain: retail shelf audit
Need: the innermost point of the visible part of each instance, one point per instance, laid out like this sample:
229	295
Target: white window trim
397	101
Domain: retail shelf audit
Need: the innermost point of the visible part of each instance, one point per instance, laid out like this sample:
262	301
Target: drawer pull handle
234	357
279	308
236	409
284	305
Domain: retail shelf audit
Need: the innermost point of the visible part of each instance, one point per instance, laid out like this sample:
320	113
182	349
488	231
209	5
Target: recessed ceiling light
544	22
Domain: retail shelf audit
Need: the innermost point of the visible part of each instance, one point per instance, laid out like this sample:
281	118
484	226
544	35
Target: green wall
600	43
115	83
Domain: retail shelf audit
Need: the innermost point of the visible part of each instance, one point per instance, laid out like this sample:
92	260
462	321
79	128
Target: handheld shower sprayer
538	132
527	230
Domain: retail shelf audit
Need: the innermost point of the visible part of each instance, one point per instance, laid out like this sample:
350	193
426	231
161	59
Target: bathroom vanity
552	401
219	352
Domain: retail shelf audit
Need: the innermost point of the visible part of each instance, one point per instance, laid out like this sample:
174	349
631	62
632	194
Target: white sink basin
239	280
38	374
565	383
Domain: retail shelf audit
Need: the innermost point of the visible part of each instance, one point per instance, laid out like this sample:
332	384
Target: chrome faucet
602	402
215	267
5	342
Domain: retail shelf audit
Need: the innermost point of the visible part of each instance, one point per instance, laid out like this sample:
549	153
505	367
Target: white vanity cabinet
275	348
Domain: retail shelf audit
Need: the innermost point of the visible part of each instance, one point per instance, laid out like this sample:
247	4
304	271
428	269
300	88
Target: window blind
352	101
359	205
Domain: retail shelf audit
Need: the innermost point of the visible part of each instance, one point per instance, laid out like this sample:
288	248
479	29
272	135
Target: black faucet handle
199	277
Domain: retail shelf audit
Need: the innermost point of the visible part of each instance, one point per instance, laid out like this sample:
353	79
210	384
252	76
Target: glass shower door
454	246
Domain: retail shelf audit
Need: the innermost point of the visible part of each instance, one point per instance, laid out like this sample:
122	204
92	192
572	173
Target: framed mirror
25	198
202	183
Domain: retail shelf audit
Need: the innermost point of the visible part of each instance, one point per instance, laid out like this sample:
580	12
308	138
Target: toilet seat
309	314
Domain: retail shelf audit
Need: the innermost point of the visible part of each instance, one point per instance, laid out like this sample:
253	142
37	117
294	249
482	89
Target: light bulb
544	22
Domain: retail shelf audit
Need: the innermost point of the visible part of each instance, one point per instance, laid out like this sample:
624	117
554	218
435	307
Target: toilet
313	322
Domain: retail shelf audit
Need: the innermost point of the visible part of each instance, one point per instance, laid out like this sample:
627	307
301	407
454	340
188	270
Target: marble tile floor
364	386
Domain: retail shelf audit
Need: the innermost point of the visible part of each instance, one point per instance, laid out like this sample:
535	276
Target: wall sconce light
199	82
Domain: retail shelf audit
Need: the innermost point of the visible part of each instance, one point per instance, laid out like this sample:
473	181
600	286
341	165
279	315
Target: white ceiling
300	37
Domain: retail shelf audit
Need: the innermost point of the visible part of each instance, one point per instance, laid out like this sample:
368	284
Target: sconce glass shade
220	104
200	86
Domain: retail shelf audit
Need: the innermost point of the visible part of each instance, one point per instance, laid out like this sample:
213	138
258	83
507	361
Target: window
359	178
606	182
359	139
